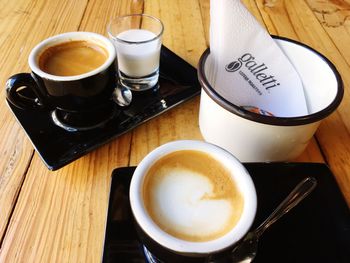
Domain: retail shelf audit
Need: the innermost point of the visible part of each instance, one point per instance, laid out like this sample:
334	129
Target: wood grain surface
60	216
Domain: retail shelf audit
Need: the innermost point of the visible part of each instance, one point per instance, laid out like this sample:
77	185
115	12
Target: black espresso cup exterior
80	95
161	254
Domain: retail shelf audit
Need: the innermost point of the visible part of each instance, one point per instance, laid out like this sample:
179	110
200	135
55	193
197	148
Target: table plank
98	15
184	34
21	29
60	216
334	17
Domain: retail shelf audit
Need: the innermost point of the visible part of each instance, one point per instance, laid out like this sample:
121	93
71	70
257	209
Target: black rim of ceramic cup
279	121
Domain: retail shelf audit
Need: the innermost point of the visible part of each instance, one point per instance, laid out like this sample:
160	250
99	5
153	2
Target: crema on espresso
192	196
72	58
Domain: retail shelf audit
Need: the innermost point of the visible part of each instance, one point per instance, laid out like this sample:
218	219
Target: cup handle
20	92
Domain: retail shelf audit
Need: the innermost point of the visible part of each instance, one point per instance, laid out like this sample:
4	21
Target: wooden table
60	216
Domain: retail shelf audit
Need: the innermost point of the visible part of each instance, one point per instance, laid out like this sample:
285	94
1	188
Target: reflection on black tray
317	230
57	147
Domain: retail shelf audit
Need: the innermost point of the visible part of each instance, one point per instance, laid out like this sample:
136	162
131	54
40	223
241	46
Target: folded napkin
247	67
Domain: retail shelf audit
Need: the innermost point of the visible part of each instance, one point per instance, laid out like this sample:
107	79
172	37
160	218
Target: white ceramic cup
252	137
179	246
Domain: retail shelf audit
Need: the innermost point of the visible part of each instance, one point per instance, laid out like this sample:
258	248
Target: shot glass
137	39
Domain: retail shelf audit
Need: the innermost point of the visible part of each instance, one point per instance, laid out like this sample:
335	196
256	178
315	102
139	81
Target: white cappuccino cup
191	199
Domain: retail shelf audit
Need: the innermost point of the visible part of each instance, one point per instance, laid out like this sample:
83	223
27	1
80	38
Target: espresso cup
254	137
192	201
72	73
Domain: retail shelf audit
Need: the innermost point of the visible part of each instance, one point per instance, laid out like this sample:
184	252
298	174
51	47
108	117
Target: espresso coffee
72	58
192	196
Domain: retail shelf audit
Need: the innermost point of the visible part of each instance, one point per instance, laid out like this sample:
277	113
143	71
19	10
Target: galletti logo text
258	78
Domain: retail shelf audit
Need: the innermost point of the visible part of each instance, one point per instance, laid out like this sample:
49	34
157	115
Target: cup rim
278	121
115	38
60	38
240	175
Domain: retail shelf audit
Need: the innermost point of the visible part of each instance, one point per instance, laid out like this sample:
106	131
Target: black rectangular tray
317	230
57	147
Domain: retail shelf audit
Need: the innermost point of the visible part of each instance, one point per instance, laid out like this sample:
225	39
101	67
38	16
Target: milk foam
186	202
192	196
138	60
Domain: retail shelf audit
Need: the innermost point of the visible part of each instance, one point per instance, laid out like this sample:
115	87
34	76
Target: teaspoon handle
299	193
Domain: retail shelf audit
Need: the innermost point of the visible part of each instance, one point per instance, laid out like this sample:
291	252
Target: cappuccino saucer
58	143
317	230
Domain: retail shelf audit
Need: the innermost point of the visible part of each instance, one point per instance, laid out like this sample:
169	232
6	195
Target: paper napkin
247	67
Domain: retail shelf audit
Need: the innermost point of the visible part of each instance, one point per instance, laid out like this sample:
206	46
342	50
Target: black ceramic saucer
58	147
317	230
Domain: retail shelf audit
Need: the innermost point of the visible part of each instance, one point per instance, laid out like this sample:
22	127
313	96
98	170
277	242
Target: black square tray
57	147
317	230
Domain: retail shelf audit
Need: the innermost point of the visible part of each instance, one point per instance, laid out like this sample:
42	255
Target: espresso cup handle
20	92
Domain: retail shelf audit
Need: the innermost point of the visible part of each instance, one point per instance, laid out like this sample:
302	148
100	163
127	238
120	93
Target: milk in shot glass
137	39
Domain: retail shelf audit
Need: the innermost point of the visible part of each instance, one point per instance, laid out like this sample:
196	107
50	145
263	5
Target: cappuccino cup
192	201
72	75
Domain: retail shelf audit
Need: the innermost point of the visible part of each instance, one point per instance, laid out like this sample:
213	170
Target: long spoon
247	249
